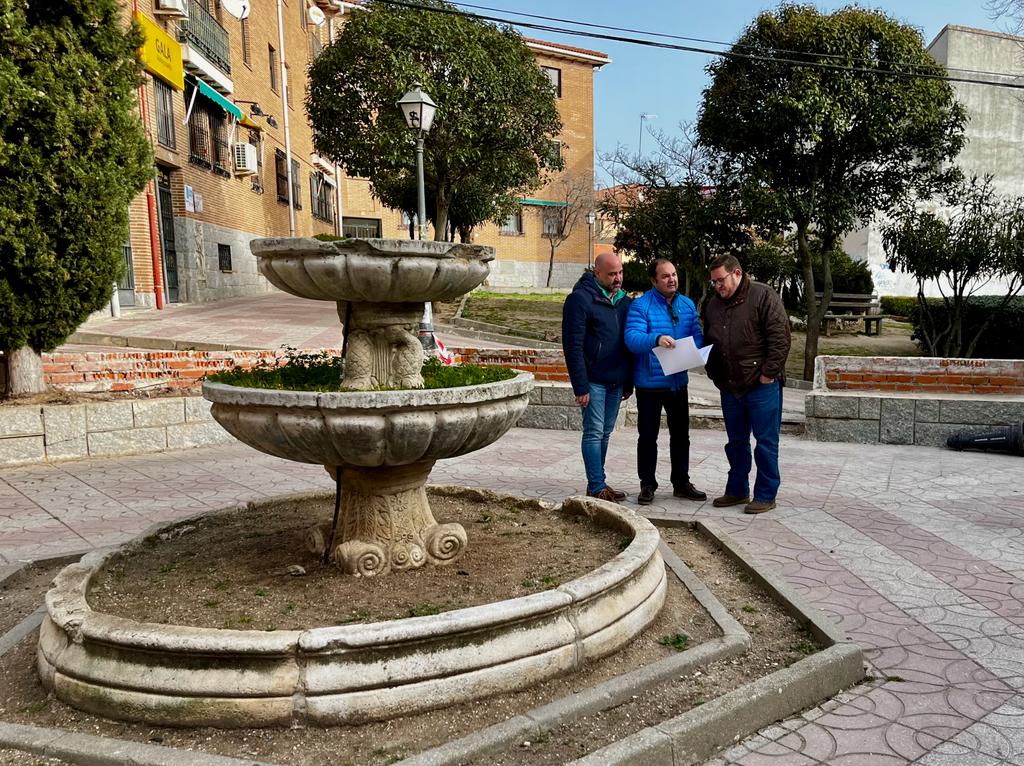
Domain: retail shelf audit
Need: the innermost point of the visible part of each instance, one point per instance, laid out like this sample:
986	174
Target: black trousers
649	404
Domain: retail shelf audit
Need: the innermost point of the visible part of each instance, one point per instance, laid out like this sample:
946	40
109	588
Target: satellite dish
316	16
237	8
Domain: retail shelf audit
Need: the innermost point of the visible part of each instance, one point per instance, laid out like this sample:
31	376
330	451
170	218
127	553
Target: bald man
600	366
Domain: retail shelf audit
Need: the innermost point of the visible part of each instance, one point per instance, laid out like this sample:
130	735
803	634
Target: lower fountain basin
370	428
185	676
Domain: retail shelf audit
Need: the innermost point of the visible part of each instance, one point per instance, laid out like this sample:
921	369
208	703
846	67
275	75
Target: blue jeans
598	421
758	411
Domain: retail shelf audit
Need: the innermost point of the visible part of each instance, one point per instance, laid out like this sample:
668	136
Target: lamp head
418	109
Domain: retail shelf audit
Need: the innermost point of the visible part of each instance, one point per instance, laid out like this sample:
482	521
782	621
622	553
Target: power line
731	54
668	36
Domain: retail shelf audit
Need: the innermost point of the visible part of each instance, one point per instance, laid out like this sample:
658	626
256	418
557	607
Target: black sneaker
690	492
646	496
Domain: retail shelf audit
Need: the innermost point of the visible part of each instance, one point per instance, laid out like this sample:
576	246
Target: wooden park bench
846	307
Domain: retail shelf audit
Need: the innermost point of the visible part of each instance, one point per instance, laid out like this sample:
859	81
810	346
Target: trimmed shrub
898	305
1004	338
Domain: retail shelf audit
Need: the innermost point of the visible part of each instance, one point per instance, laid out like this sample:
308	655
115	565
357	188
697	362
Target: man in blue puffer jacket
656	319
600	367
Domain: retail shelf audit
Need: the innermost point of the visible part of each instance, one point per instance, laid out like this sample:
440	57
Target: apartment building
222	104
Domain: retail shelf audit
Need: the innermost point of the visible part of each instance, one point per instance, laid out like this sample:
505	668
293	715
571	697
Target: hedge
1004	338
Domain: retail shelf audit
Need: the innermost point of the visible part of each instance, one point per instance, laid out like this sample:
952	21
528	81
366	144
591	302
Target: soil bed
22	594
231	569
777	641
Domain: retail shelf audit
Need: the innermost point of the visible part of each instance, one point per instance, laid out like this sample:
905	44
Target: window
315	46
257	177
288	85
246	48
513	225
367	228
303	14
272	56
296	195
555	151
281	171
208	136
224	257
554	76
320	198
164	114
552	222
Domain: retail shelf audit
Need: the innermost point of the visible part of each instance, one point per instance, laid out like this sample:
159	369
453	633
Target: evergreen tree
72	156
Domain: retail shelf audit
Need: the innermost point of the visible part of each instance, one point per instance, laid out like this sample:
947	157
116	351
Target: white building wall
995	136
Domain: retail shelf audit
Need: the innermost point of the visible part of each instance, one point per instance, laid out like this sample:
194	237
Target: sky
668	84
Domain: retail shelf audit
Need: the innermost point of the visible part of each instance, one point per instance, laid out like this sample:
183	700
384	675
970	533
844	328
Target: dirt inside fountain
250	569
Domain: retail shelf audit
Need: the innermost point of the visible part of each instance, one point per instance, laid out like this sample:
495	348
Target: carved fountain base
386	523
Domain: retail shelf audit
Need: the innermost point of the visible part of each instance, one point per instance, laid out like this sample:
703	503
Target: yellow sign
161	54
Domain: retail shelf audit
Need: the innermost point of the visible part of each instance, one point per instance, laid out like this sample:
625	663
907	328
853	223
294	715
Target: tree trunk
24	372
811	308
551	260
441	219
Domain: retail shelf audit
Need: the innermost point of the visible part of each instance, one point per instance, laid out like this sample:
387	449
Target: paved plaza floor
917	553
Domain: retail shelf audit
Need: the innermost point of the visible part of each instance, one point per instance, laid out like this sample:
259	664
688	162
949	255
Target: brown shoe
616	494
759	506
726	500
608	494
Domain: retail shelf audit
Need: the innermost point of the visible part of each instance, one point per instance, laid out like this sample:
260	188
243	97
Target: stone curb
86	338
614	691
103	751
695	736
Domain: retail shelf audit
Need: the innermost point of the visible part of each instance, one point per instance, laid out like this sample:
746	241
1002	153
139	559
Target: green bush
848	275
1004	338
634	276
898	305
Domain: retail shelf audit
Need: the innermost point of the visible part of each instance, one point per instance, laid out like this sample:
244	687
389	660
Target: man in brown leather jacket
749	328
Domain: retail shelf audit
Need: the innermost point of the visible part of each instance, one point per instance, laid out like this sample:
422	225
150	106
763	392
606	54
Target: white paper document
685	356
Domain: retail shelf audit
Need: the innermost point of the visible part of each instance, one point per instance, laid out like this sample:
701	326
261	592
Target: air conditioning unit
245	159
177	8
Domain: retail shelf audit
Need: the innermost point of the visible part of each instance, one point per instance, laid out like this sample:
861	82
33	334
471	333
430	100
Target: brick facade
922	375
238	208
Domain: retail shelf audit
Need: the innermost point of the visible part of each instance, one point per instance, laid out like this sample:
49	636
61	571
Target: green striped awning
217	98
541	202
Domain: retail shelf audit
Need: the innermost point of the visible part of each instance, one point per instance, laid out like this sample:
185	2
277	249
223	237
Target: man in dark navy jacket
600	366
658	318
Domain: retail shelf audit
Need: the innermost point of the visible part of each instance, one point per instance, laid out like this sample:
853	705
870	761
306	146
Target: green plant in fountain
318	371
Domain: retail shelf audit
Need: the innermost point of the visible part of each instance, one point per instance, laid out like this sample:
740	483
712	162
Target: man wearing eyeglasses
600	367
655	319
748	325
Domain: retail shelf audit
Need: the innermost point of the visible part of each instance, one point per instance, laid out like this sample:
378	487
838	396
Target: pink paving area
916	553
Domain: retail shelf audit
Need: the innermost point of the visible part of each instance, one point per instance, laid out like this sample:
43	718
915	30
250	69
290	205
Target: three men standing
656	319
749	328
600	366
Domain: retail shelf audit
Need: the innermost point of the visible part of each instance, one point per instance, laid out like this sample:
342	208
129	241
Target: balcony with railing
204	33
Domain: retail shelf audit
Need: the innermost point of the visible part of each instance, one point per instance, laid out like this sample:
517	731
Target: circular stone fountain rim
369	401
68	606
289	247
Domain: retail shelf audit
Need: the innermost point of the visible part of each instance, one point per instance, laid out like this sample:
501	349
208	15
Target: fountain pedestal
386	523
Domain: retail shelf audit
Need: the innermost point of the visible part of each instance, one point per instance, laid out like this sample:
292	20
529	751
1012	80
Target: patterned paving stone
917	553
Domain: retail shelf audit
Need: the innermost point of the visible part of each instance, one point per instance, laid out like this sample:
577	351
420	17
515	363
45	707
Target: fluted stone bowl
372	270
370	428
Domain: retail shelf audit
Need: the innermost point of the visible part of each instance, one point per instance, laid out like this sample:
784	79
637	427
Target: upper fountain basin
372	270
370	428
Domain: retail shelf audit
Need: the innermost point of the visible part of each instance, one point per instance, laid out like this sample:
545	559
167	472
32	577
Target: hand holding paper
685	356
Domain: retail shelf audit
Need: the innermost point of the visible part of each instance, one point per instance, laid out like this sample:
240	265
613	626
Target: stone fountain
384	443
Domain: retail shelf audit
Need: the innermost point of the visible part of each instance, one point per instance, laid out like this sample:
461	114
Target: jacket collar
741	291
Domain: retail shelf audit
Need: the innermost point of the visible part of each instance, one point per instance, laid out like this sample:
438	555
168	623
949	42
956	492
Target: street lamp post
418	109
591	218
640	144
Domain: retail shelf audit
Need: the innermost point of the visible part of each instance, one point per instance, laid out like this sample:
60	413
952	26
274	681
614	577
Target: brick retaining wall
128	370
911	400
920	374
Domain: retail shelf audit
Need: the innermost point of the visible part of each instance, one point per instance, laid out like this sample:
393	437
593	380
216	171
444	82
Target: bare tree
1011	10
573	197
